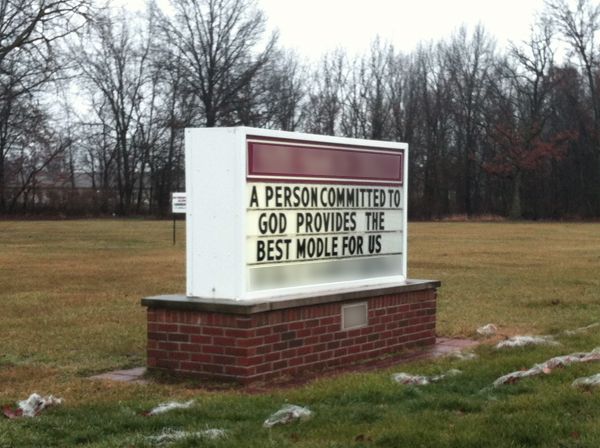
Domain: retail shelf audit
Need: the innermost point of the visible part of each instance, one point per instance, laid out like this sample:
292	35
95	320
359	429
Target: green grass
69	307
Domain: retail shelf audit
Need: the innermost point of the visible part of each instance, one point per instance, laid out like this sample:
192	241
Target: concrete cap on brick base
182	302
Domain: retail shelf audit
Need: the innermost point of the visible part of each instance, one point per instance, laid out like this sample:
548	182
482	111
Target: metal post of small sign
178	205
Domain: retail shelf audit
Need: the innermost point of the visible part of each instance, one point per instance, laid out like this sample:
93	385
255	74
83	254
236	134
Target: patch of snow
548	366
287	414
581	329
522	341
464	356
588	381
487	330
171	405
36	404
170	435
421	380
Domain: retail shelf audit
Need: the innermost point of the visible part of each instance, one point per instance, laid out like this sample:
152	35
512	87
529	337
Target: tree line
94	101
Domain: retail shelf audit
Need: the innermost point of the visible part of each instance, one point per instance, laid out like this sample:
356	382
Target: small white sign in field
179	202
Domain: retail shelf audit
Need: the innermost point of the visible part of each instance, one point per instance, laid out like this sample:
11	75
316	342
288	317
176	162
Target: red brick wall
286	342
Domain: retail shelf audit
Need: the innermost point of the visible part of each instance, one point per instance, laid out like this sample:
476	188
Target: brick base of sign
257	341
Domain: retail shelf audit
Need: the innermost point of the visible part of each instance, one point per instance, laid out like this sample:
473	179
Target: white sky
313	27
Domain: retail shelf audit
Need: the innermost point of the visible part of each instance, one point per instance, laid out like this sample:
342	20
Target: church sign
272	214
296	259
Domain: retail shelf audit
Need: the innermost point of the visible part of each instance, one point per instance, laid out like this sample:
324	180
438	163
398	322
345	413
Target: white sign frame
216	186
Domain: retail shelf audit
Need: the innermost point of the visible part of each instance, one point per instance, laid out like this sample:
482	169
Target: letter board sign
274	214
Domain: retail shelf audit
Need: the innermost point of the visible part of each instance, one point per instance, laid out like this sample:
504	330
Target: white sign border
228	275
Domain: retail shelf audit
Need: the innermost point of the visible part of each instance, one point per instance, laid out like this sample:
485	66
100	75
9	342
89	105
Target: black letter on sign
260	250
253	197
374	244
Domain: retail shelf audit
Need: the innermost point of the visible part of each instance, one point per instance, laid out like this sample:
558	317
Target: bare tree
522	94
469	58
112	58
367	111
38	23
284	81
178	110
38	149
580	27
273	98
432	137
402	91
97	156
219	43
325	101
354	121
29	30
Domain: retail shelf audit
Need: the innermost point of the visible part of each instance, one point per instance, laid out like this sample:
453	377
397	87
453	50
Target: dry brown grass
478	218
70	298
70	292
524	277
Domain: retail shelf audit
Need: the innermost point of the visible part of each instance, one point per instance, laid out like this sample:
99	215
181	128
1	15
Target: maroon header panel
303	161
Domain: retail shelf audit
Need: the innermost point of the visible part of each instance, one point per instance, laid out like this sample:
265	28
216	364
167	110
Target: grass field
70	307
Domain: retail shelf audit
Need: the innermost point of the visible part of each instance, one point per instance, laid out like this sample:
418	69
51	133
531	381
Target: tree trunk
515	208
2	185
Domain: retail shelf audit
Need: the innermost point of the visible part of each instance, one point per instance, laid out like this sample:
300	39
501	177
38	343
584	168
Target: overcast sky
313	27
